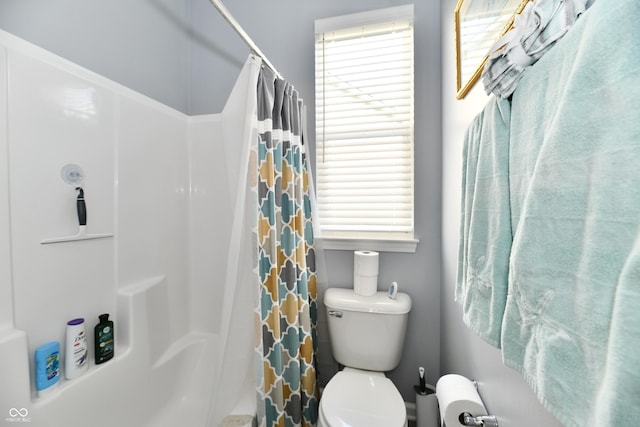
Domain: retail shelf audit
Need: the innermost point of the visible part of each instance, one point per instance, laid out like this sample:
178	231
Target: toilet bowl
358	398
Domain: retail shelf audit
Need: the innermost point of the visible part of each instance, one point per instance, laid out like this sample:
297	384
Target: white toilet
367	336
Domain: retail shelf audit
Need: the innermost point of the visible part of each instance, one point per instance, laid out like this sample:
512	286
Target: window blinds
364	128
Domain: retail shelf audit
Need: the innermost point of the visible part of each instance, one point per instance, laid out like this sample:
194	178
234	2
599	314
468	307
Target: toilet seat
358	398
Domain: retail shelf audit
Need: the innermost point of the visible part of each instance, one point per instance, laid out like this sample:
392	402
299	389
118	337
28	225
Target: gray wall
184	54
141	44
503	390
290	47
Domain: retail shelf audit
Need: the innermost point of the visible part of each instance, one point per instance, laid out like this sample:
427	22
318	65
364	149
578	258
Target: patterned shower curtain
287	309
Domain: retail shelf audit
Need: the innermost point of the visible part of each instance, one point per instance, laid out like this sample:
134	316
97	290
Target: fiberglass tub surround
153	179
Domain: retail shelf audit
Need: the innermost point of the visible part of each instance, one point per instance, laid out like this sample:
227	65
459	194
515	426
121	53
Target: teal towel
572	319
485	226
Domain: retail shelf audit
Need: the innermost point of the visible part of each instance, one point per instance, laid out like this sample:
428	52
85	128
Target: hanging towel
572	319
485	226
535	30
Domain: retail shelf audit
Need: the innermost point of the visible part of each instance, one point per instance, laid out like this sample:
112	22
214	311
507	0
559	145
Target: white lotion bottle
76	349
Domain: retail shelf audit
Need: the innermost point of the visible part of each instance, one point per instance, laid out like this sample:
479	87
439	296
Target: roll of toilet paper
456	395
365	273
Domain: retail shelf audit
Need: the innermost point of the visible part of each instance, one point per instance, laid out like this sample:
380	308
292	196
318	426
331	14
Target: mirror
478	25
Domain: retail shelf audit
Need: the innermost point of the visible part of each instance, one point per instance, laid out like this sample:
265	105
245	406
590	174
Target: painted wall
285	34
142	44
503	390
184	55
152	49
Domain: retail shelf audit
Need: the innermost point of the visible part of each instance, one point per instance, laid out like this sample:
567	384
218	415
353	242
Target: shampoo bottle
75	363
104	339
47	366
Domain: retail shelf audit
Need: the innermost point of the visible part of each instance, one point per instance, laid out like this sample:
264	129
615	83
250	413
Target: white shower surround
163	184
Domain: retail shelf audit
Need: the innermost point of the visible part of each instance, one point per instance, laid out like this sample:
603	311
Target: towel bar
480	421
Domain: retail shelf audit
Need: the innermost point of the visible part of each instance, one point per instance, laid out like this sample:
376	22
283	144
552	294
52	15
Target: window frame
360	240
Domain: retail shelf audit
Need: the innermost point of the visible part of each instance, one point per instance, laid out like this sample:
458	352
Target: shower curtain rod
234	24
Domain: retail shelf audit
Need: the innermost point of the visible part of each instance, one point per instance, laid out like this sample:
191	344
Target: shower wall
56	118
209	221
154	178
6	309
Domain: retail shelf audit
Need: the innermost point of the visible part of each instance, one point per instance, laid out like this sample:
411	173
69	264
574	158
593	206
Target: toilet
367	336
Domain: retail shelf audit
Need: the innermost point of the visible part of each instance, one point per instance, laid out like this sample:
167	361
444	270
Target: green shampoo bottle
104	339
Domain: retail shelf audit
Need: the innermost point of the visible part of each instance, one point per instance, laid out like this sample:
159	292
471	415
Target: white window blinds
364	130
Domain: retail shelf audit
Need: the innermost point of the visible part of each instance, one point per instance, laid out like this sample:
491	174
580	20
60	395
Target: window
364	124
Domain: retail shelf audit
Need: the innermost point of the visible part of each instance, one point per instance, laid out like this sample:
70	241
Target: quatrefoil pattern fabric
286	315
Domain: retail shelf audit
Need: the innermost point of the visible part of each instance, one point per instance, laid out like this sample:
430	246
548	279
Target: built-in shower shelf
81	235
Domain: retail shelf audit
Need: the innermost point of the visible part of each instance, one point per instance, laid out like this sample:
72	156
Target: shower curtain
267	331
286	313
233	384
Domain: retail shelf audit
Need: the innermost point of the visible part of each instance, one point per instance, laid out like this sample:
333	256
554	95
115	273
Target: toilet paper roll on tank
365	273
457	395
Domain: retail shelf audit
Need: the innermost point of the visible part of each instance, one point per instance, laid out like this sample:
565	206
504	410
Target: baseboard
411	411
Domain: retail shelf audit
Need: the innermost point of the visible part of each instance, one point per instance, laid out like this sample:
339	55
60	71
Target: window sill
360	244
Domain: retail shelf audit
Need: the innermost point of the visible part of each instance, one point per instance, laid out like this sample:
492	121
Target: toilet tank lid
347	300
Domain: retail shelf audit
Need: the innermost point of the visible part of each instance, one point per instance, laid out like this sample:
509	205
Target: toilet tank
367	332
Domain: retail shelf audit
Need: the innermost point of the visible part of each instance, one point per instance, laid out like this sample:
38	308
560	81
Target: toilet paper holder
479	421
467	419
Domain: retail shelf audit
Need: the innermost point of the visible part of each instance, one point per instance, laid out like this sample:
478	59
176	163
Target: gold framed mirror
478	25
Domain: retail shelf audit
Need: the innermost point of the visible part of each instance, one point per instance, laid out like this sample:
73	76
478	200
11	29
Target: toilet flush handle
335	313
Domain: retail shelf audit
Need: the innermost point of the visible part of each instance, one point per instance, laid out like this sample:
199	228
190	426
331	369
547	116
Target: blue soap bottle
47	366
